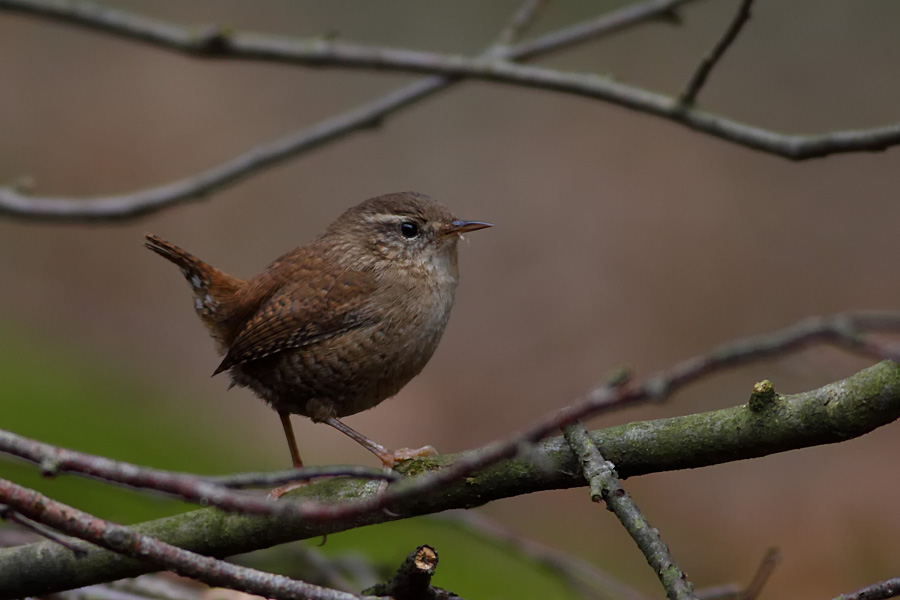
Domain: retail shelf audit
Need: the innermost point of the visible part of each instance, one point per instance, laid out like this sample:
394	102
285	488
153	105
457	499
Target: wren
337	326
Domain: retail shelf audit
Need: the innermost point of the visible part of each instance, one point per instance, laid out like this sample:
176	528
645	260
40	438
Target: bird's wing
315	306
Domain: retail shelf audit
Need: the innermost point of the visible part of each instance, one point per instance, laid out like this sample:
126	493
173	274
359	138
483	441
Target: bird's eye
409	230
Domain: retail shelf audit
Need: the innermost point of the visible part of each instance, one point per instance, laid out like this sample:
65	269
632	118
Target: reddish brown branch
127	542
210	491
10	515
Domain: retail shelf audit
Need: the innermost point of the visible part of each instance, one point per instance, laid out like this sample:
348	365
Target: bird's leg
389	459
291	439
295	457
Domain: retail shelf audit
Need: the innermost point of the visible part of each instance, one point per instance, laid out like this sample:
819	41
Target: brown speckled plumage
334	327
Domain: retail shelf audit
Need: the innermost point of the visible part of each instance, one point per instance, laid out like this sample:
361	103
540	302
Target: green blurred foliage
60	396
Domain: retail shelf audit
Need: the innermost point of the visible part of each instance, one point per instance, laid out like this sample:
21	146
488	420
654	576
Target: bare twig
158	586
587	579
14	517
604	483
590	85
889	588
583	577
625	17
15	203
309	563
521	21
733	591
698	79
211	42
128	542
307	473
762	575
210	491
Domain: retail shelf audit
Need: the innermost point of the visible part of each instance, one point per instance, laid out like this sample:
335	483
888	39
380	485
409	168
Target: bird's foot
392	459
284	489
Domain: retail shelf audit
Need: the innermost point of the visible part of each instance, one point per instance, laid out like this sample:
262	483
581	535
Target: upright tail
215	293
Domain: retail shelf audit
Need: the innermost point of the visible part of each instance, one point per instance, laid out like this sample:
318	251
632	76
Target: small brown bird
335	327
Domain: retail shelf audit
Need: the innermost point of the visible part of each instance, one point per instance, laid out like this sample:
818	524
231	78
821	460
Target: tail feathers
214	291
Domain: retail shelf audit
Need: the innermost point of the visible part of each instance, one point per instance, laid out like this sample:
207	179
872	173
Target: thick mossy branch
836	412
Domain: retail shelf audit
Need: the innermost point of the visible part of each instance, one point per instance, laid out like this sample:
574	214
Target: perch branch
211	491
604	484
841	329
15	203
833	413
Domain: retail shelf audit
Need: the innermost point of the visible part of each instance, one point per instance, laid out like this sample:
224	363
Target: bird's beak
461	227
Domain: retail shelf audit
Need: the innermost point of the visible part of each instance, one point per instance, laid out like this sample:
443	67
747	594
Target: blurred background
620	239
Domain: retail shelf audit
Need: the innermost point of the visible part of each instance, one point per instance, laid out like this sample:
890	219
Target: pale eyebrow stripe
388	218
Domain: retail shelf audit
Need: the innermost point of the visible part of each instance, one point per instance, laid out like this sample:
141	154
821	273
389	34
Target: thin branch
128	542
310	564
733	591
626	17
834	413
15	203
693	87
307	473
604	483
582	576
771	560
111	591
211	491
520	22
14	517
212	42
155	587
889	588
